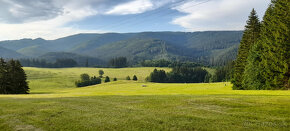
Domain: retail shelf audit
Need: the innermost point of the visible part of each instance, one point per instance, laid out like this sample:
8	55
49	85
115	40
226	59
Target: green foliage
224	73
267	65
115	79
87	81
128	78
250	36
107	79
12	78
101	73
275	46
135	78
85	77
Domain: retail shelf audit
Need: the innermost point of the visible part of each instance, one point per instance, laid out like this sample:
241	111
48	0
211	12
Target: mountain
216	47
7	53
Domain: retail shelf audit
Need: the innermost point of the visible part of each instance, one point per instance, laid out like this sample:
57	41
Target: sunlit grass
56	104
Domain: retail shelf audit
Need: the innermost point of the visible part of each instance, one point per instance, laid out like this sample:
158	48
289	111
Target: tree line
263	57
167	63
179	75
59	63
12	78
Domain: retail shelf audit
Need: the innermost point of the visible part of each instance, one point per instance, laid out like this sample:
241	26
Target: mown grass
55	104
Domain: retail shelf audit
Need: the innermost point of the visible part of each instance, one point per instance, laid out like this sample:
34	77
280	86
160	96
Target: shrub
107	79
115	79
128	78
135	78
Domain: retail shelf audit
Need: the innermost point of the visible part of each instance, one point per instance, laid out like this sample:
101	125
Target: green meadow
56	104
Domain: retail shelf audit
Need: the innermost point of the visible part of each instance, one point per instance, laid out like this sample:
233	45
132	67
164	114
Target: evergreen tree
107	79
275	44
4	78
135	78
12	78
250	36
128	78
115	79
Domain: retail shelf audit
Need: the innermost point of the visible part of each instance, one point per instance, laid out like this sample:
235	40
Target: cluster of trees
118	62
166	63
134	78
179	75
86	80
263	57
59	63
12	78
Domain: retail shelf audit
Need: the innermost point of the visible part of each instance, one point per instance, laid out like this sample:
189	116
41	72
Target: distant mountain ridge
208	46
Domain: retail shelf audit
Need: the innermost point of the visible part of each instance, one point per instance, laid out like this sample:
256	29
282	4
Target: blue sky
51	19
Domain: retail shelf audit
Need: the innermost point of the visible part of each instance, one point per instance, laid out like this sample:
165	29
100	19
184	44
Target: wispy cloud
218	14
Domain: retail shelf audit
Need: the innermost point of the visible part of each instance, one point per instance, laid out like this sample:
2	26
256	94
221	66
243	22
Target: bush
107	79
135	78
128	78
115	79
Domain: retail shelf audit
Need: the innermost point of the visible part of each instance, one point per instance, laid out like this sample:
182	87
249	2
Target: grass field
56	104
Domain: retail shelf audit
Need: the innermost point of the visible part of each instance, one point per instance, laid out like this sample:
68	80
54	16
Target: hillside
7	53
193	46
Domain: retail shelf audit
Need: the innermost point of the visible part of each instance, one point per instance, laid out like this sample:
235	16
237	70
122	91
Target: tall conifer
250	36
275	44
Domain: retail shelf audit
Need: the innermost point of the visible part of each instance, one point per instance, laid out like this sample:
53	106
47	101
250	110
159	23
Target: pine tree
275	44
250	36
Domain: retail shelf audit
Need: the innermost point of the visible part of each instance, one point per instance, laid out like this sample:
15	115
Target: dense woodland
12	78
263	58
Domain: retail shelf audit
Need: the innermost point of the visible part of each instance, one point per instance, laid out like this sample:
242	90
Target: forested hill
213	47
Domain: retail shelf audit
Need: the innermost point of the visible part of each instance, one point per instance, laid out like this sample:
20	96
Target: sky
52	19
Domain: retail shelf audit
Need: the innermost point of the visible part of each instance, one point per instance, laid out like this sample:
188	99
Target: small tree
107	79
128	78
135	78
85	77
101	73
115	79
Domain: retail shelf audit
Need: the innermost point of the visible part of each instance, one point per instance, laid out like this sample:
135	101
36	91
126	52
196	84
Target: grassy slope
55	104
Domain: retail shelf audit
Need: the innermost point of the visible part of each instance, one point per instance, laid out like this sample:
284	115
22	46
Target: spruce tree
275	44
250	36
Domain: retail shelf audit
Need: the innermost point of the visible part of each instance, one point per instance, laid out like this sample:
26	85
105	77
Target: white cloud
51	28
132	7
218	14
136	7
